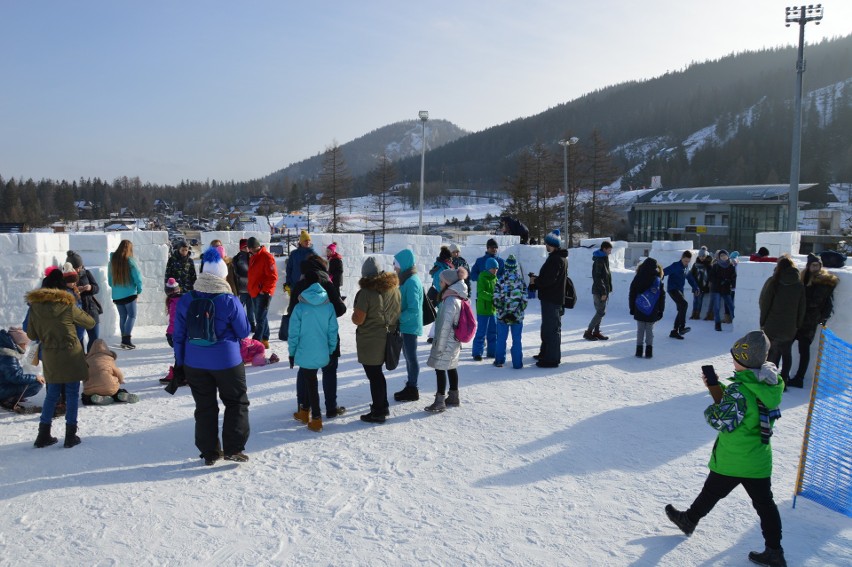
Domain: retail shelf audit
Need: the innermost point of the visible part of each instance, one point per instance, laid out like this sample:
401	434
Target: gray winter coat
445	348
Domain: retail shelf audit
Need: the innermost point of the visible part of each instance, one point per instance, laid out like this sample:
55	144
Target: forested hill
669	109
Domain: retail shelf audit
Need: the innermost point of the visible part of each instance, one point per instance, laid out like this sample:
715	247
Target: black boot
639	349
125	342
769	557
44	439
407	394
649	351
71	438
680	519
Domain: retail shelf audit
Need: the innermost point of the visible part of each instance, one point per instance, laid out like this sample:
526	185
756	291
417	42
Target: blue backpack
201	321
647	300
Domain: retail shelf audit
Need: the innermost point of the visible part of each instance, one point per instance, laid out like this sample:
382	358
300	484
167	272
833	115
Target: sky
168	91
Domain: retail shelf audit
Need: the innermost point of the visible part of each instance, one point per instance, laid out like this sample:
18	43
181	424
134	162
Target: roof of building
720	194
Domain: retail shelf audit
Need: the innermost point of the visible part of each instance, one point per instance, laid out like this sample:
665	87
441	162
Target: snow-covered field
537	467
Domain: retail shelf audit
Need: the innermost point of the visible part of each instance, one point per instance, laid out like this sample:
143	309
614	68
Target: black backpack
201	320
570	294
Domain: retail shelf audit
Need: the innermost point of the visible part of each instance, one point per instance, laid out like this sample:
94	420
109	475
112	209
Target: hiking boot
407	394
477	358
71	438
680	519
589	336
769	557
639	349
452	399
728	319
684	330
44	439
709	316
649	351
339	410
237	457
302	415
315	424
438	405
545	364
600	336
265	343
126	397
675	335
126	344
796	382
101	400
210	460
373	417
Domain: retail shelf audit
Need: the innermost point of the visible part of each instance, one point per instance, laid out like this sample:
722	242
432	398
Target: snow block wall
25	257
351	247
778	242
231	239
425	248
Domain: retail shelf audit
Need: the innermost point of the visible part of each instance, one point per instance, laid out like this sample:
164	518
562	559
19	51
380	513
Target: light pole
798	15
424	116
565	143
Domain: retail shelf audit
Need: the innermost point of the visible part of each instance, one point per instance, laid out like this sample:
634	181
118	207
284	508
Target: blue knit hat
552	239
492	264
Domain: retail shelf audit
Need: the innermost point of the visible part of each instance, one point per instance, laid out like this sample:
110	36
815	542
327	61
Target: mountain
397	141
745	99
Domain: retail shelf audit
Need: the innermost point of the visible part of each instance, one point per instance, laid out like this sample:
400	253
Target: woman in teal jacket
743	413
126	282
313	339
410	321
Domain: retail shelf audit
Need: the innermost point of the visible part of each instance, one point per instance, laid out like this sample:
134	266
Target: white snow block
779	243
8	244
35	242
503	240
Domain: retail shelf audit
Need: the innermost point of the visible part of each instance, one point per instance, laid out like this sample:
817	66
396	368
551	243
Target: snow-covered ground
537	467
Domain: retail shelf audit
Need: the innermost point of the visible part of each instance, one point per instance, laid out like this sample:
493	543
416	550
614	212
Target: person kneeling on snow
253	352
15	385
103	386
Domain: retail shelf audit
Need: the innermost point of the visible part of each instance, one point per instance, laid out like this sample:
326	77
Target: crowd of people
218	323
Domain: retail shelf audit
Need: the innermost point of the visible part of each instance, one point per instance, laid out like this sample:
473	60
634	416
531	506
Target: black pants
453	374
805	336
309	376
551	333
231	386
718	486
378	387
781	351
682	306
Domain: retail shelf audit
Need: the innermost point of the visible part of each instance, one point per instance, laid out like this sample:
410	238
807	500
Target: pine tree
334	183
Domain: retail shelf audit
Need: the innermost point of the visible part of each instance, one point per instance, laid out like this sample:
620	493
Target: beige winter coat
105	377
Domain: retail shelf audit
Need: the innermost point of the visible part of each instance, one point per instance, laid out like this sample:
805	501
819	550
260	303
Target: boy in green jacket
486	323
743	413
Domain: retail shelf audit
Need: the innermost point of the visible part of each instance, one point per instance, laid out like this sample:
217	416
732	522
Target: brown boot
695	316
315	424
709	316
302	415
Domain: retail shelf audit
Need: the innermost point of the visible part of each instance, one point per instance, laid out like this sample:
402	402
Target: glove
178	380
292	361
287	289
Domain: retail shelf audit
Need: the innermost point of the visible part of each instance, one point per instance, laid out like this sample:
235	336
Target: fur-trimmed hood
48	295
381	283
824	278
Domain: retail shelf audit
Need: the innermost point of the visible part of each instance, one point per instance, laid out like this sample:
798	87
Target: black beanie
74	259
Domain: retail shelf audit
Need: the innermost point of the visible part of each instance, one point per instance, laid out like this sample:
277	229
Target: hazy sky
190	89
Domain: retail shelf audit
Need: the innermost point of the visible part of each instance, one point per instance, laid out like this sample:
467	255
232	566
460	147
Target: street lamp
798	15
565	143
424	116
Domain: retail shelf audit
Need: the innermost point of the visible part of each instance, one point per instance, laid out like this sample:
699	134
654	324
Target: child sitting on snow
103	386
15	385
253	352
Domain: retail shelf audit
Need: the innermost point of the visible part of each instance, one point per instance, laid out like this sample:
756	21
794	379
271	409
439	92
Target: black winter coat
819	299
551	278
87	298
241	269
644	279
723	278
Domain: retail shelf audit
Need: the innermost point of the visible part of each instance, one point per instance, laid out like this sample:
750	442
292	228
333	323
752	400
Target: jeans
682	306
717	299
698	302
231	386
409	350
248	304
551	332
94	334
72	402
503	331
126	317
486	328
261	306
718	486
600	311
17	392
645	333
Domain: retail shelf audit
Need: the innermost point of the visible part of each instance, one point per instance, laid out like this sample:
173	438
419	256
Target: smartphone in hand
710	374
